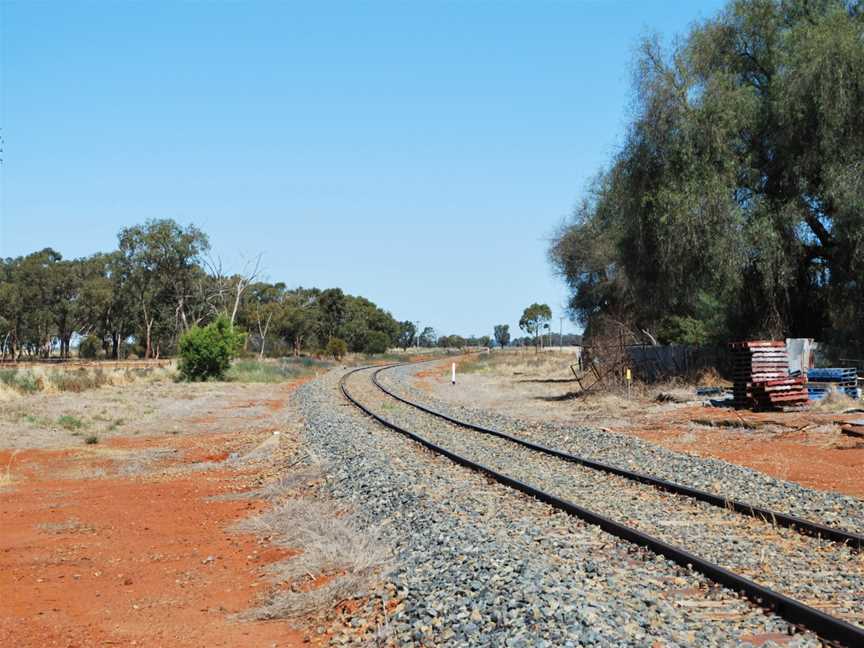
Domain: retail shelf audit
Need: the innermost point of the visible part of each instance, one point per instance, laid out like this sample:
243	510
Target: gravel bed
820	573
481	565
632	453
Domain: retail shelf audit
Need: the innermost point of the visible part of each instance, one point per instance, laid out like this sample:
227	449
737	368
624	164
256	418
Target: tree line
139	299
735	208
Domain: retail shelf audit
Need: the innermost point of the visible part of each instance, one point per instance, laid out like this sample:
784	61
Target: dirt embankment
126	542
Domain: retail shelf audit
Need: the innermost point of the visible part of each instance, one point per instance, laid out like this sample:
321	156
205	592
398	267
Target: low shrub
206	353
69	422
89	347
337	348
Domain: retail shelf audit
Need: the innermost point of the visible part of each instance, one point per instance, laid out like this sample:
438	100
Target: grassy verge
275	371
31	380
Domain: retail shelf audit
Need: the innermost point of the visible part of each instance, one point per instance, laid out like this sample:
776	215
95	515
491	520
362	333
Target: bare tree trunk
148	326
263	333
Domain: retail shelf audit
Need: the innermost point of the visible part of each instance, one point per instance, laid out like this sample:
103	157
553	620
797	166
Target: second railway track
812	582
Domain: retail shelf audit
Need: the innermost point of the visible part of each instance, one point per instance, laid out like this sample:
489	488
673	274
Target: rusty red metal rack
760	374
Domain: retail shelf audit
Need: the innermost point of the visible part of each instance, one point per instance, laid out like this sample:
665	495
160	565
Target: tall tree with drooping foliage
735	207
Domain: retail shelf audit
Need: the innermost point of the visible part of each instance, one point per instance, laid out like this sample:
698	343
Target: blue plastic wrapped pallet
833	374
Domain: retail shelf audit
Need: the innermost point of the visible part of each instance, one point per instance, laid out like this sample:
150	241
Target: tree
332	305
159	259
502	335
377	342
484	341
407	331
206	353
534	319
297	321
428	337
739	183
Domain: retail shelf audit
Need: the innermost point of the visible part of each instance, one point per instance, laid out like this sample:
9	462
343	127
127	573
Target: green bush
337	348
89	347
682	330
377	342
205	353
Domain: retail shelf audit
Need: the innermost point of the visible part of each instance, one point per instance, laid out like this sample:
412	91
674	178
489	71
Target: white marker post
453	373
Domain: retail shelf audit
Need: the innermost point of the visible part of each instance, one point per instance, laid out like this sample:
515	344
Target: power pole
417	332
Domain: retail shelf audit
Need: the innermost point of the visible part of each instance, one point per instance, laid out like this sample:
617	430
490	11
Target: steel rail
805	527
828	628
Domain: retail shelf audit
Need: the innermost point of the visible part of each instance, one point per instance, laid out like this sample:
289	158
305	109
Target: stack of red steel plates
760	373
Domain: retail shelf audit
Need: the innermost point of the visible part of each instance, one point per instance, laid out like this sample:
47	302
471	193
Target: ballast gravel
820	573
480	565
624	451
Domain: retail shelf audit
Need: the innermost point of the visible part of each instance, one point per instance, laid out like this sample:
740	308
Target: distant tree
298	319
407	331
377	342
428	337
534	319
502	335
331	305
484	341
452	342
160	259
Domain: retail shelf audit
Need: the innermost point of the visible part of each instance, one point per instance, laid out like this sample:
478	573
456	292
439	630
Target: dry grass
34	379
835	402
6	477
72	525
335	547
527	364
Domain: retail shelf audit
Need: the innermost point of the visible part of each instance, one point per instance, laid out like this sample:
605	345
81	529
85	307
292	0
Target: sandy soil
806	447
122	542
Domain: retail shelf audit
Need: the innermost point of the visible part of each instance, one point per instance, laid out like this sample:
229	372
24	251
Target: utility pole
417	332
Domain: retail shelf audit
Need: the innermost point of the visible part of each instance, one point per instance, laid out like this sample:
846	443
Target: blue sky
418	153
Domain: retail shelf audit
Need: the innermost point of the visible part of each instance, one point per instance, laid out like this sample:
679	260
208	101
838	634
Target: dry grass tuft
334	545
72	525
304	604
835	401
6	478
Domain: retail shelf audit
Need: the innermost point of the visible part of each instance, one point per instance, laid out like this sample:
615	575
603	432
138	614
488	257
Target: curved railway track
830	628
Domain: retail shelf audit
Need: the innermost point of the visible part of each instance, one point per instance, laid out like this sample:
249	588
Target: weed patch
274	371
69	422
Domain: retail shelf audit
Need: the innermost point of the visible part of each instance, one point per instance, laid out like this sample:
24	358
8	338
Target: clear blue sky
417	153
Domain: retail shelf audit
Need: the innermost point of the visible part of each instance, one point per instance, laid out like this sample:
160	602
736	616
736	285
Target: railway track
661	516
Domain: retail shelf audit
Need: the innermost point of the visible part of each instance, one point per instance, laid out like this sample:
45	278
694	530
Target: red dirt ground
808	450
136	561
